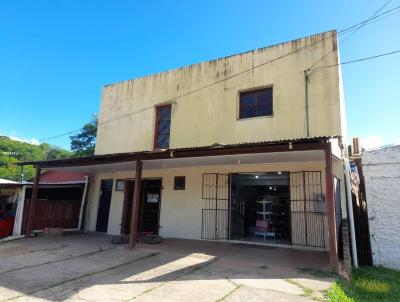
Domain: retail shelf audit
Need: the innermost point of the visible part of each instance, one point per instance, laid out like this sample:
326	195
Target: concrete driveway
89	268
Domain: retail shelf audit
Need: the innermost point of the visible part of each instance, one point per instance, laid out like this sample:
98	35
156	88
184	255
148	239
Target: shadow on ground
90	268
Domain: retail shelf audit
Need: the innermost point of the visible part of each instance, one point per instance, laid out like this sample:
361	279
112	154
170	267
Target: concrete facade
381	168
205	110
205	99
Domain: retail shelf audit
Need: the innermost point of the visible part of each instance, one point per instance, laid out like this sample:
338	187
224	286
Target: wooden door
104	205
149	208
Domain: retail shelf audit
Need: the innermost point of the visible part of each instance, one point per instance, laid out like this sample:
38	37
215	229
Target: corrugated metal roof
8	182
255	143
125	155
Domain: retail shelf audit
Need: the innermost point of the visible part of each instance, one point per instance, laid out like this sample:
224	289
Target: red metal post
330	201
135	205
32	204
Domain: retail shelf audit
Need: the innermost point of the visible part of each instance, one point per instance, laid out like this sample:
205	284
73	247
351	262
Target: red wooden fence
53	214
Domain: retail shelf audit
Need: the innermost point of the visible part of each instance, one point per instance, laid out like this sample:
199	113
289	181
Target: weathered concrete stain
204	103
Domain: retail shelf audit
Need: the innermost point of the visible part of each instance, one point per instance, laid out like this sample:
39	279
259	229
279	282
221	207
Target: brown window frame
255	92
157	125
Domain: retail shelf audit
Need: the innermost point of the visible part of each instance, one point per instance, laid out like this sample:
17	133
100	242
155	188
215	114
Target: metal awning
243	159
251	153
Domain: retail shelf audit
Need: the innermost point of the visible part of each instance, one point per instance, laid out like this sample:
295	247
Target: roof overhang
242	159
250	153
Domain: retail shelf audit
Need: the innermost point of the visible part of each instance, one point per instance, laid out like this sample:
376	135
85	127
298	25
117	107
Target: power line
60	135
353	29
198	89
360	60
343	31
367	21
379	18
363	24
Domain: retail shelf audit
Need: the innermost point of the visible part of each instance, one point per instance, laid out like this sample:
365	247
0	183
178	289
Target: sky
55	56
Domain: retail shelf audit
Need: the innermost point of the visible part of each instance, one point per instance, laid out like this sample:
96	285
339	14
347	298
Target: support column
124	216
32	204
135	205
330	202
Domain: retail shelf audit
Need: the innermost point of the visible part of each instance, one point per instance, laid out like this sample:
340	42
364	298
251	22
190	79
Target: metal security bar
307	209
215	214
214	224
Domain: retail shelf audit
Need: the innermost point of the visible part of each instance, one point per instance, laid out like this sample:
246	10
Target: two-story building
246	148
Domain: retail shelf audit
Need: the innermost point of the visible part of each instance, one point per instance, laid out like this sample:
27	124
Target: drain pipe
306	81
350	213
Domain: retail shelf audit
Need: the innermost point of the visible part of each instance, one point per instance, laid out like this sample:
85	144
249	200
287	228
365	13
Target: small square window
255	103
179	183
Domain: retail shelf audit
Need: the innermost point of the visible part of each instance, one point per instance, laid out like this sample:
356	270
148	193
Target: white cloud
13	135
32	141
371	142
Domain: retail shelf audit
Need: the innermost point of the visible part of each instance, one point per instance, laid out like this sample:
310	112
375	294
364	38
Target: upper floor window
255	103
163	127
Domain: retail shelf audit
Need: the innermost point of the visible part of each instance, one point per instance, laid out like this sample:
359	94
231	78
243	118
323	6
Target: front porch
297	177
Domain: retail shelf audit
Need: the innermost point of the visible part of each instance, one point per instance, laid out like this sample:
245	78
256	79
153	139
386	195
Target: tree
56	153
83	143
12	151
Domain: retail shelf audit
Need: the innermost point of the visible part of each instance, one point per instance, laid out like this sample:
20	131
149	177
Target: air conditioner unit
356	148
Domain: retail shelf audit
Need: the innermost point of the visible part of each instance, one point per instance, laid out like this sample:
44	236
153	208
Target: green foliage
12	151
367	284
83	143
336	294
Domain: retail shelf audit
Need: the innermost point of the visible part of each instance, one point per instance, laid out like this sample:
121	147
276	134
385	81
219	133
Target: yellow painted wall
180	214
202	117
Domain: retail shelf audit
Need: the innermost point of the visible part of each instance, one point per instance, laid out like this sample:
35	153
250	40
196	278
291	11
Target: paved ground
89	268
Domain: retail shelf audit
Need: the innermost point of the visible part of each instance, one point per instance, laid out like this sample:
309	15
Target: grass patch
367	284
317	273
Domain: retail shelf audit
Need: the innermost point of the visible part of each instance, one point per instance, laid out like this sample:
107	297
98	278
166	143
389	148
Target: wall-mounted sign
152	198
120	185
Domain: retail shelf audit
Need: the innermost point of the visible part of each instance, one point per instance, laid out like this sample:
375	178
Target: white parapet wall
381	169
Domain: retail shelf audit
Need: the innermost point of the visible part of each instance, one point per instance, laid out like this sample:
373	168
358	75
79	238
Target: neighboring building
10	192
60	197
246	148
60	202
381	168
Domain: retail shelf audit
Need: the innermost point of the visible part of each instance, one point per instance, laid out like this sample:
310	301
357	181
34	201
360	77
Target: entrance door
260	207
104	205
215	214
307	208
149	208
